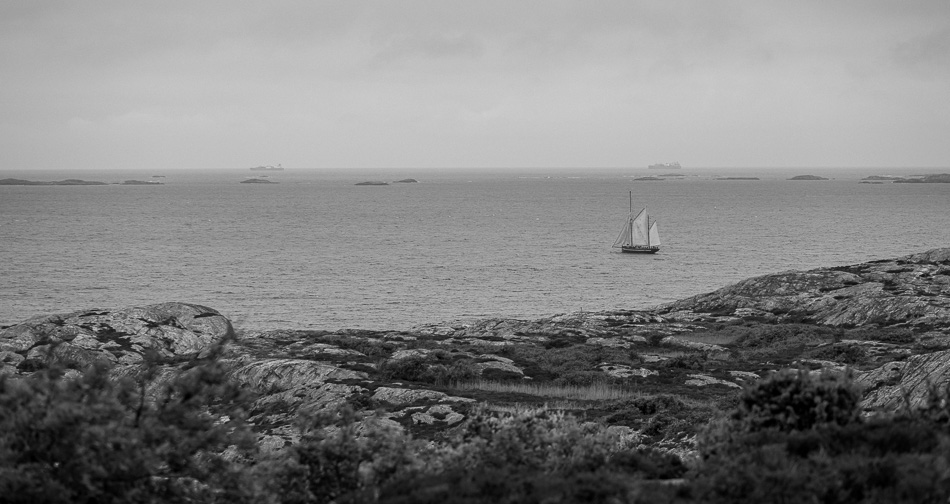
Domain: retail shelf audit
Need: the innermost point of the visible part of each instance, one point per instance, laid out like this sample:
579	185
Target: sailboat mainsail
638	234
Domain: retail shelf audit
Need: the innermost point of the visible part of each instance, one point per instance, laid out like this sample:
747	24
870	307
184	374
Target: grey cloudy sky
486	83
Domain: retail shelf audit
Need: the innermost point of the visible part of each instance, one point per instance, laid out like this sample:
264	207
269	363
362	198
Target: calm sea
317	251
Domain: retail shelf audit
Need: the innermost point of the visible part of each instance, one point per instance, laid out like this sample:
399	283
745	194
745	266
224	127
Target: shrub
693	361
535	455
341	459
797	400
844	354
98	439
568	363
427	370
798	438
412	368
660	416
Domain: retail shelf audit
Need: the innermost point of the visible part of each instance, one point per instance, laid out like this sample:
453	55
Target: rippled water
317	251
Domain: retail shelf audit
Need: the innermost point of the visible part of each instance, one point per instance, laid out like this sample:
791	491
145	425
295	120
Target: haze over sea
316	251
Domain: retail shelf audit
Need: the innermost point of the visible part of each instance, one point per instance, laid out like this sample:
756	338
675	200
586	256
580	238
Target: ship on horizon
665	166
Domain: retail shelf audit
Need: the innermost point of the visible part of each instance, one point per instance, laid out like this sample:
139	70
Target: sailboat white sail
638	234
654	235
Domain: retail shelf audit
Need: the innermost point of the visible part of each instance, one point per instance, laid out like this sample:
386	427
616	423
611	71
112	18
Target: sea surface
317	251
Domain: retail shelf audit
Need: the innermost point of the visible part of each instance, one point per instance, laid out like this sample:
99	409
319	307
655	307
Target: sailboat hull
639	250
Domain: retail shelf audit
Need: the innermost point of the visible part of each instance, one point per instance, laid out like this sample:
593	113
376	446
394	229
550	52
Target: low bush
851	355
661	416
800	437
798	399
573	364
427	369
781	337
692	361
98	439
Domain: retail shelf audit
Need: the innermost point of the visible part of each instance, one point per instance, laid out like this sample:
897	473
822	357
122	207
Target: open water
317	251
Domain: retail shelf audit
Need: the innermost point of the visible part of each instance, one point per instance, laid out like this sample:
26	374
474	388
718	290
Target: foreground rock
660	373
77	339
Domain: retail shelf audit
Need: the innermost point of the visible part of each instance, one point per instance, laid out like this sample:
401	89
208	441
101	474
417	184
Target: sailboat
639	235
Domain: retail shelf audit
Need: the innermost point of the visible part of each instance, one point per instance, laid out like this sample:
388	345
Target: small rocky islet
887	320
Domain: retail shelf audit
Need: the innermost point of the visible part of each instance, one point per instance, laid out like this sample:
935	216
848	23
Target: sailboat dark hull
639	250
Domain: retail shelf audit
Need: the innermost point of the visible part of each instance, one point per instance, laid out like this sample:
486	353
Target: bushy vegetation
566	365
800	437
437	368
97	438
177	435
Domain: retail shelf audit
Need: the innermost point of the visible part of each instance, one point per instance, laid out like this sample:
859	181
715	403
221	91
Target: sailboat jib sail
638	234
654	234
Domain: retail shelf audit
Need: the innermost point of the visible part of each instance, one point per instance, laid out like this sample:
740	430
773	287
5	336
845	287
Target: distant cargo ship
665	166
268	167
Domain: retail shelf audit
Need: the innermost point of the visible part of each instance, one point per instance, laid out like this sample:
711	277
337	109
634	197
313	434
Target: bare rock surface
913	290
120	336
890	385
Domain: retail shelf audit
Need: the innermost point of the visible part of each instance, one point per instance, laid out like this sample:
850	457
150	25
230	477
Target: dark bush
800	438
841	353
797	399
427	369
693	361
97	439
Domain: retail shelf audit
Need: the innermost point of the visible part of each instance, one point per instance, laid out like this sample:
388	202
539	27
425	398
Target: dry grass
522	408
594	392
714	338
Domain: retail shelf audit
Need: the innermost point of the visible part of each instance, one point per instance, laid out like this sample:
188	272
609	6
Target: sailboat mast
630	218
648	229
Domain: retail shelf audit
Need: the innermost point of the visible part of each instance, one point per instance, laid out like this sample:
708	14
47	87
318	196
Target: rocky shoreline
888	321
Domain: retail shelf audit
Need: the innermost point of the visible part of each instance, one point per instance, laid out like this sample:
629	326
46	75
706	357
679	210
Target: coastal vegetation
795	436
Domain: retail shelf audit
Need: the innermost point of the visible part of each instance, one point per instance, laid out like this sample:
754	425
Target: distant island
372	182
665	166
672	175
142	182
647	178
268	168
257	181
938	178
882	177
807	177
942	178
737	178
13	181
407	181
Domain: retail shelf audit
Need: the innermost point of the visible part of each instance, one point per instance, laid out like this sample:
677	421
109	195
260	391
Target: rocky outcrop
911	290
172	330
908	382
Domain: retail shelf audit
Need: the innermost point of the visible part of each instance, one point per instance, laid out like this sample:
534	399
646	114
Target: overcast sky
481	83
